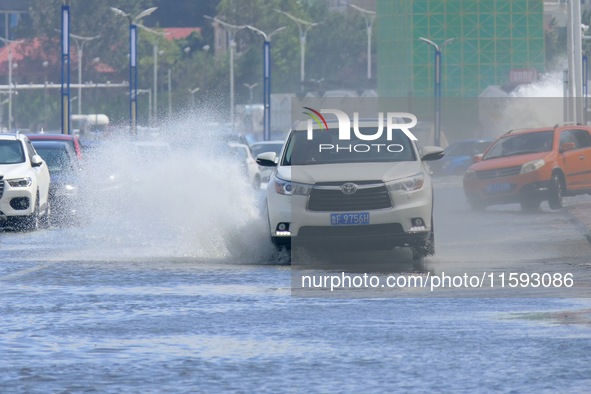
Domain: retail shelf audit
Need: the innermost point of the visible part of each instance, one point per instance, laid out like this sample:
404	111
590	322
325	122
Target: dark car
459	156
64	189
73	140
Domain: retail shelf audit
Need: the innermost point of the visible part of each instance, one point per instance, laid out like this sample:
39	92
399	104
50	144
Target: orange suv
531	166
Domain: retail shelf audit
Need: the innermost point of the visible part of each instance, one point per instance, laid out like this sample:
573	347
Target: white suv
24	183
356	193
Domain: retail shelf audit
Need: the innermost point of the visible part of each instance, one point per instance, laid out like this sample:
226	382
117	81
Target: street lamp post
155	54
65	69
2	108
231	31
250	88
80	41
133	62
369	17
437	86
266	79
8	43
303	27
149	92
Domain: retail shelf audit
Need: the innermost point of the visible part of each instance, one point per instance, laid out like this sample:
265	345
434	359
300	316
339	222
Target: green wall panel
491	38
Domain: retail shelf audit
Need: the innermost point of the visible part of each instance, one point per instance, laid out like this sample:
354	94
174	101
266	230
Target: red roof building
178	33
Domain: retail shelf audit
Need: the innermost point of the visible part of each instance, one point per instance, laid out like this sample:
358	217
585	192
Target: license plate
498	187
349	219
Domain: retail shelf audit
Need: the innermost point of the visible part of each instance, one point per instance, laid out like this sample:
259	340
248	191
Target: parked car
266	146
531	166
380	199
459	156
64	189
24	184
251	168
73	140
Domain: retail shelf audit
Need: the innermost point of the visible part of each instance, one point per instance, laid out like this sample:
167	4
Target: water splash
191	198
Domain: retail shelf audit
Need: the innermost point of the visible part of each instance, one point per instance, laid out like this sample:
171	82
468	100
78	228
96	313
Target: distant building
495	42
179	33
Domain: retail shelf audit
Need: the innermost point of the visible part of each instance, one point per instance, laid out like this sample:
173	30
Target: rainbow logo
317	116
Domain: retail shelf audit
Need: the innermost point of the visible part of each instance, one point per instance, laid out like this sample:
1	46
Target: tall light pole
303	27
133	62
9	43
437	86
575	61
80	41
149	92
231	32
266	79
369	17
65	76
250	88
155	54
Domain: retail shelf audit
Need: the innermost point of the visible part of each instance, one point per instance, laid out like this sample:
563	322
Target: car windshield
466	148
11	152
521	144
56	157
326	148
257	149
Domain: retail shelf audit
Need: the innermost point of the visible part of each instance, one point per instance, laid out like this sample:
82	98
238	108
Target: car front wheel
31	222
45	221
556	192
425	249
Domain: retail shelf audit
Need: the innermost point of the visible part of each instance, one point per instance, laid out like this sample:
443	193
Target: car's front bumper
16	201
387	227
516	190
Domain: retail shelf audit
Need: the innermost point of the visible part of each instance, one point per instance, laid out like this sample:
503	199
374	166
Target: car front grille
328	197
498	173
1	186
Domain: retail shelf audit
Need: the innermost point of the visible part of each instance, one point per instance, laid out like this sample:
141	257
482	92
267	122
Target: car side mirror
566	146
429	153
477	158
267	159
36	161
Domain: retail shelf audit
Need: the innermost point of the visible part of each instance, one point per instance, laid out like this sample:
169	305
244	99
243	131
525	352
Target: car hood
11	171
507	161
385	172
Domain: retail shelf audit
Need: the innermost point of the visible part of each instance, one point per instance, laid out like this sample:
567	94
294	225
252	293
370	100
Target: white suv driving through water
323	192
24	183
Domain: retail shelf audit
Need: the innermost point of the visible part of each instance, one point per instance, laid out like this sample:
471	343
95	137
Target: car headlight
531	166
291	188
469	175
408	184
20	182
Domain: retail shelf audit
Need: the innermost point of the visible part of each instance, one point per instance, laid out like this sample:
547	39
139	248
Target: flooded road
116	307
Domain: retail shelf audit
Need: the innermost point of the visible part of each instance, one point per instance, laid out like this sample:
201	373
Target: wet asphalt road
117	306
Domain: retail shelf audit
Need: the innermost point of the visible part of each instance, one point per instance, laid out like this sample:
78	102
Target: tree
335	48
